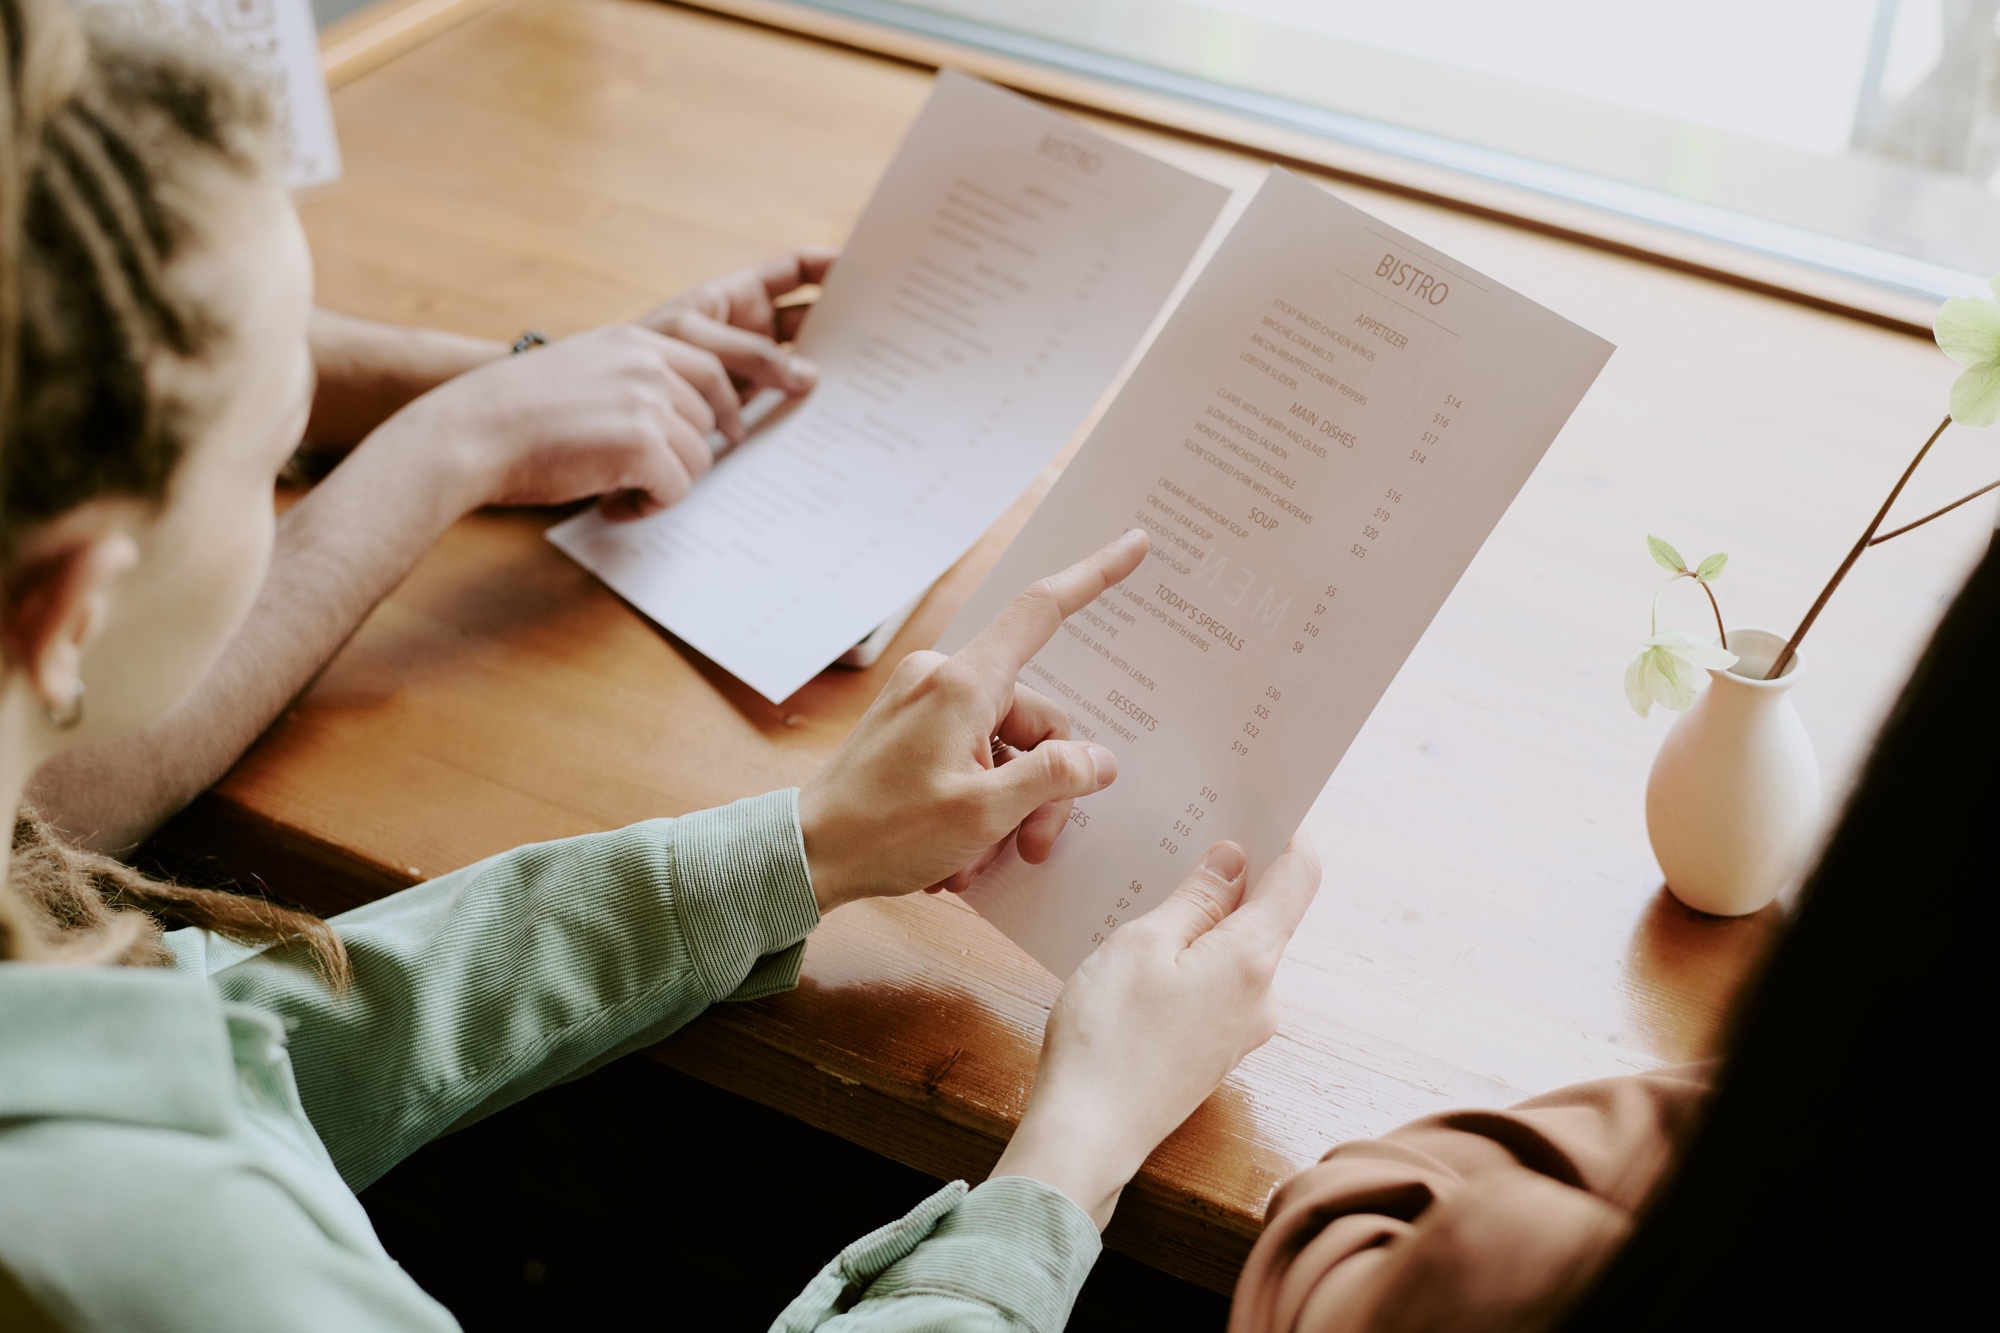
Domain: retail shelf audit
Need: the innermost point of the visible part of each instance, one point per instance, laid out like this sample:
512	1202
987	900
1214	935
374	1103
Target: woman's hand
919	796
736	317
618	412
1153	1022
368	370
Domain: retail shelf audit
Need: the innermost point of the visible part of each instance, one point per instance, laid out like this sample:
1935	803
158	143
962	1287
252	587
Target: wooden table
1492	923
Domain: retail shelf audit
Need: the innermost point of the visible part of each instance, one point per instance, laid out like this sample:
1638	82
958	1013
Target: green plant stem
1784	657
1672	579
1878	539
1716	607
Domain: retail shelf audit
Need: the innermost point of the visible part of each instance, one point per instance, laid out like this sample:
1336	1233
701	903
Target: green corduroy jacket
179	1148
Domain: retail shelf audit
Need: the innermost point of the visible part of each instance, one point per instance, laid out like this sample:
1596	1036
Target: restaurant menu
1000	277
1317	443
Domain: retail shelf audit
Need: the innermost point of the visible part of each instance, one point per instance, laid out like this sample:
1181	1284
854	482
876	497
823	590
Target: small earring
67	719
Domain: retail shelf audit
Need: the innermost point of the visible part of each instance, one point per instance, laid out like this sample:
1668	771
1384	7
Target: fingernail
1106	764
801	373
1225	861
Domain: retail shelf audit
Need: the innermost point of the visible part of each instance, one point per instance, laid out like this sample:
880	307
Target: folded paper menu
1318	441
999	278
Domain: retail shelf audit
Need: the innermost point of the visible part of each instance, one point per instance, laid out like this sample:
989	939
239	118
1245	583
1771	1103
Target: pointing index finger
1032	618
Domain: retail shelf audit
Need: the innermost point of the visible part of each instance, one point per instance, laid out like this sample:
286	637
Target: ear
56	607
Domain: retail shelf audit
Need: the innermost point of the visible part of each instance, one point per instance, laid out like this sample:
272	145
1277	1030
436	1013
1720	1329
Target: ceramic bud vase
1732	806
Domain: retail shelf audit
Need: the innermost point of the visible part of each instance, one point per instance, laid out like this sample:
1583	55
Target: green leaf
1635	686
1709	570
1665	556
1967	329
1975	396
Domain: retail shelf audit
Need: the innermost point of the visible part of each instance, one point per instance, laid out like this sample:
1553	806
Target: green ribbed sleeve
1009	1257
480	987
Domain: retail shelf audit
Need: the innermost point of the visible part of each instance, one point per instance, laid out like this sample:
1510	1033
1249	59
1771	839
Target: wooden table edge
1181	1235
374	35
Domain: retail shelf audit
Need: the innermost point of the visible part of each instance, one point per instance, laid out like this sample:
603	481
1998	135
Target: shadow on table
1683	968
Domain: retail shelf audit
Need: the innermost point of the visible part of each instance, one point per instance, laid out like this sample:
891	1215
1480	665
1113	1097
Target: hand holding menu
1003	271
1318	442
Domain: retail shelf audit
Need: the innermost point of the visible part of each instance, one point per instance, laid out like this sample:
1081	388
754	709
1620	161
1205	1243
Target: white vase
1732	806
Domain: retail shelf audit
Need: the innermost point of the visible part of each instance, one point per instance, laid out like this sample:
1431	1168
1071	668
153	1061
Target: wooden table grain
1492	923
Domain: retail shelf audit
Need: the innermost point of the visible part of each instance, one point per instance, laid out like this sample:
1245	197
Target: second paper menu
1004	269
1318	442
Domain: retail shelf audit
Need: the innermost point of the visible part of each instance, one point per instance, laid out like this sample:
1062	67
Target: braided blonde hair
107	140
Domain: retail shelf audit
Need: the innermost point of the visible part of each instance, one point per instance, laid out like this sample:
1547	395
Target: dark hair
109	144
1837	1178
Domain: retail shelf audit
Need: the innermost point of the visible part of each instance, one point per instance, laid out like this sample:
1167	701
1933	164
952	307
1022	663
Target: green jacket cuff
743	894
1014	1246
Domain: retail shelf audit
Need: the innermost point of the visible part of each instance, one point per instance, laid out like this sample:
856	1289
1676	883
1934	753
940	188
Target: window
1857	137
